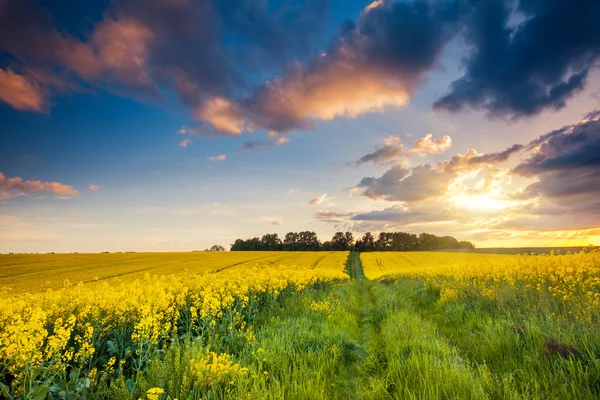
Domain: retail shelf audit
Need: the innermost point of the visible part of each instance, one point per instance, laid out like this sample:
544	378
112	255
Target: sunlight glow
480	202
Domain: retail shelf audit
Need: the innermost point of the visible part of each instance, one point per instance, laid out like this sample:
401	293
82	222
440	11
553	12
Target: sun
479	202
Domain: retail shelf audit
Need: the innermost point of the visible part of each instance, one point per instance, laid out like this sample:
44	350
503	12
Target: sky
174	125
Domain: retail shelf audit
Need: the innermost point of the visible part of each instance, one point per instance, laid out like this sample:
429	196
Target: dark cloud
404	215
374	63
566	164
243	65
494	158
259	144
203	50
213	53
534	66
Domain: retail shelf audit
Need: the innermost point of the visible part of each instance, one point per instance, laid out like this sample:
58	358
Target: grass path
405	357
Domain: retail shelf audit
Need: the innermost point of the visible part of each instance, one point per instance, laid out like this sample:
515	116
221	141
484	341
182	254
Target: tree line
386	241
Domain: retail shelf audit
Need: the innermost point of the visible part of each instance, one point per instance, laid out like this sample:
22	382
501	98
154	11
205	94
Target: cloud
117	51
94	188
393	151
184	47
20	92
332	216
277	222
293	190
113	55
401	214
258	144
220	157
318	200
566	164
421	182
214	55
179	45
536	65
373	64
432	146
222	114
472	196
185	142
494	158
10	187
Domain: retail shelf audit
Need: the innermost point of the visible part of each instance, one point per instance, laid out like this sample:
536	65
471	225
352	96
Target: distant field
515	250
30	273
379	264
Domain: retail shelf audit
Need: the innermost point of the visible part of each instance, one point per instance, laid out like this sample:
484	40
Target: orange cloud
433	146
222	114
330	88
16	186
220	157
116	51
20	92
94	188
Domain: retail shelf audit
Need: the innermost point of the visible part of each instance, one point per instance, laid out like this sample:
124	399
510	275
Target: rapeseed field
320	325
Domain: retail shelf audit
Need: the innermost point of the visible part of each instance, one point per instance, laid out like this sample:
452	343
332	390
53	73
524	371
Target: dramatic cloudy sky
178	124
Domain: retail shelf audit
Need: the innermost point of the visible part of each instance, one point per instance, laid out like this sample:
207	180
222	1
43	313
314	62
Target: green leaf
40	393
5	390
130	384
113	348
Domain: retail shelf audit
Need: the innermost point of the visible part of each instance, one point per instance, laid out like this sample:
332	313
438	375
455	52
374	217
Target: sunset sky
173	125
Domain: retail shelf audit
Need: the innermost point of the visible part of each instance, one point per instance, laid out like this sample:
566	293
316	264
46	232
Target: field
30	273
379	264
318	325
519	250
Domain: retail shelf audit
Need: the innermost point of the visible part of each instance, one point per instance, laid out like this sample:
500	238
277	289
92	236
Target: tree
342	241
367	243
217	247
327	246
308	241
349	240
338	241
384	242
290	242
463	244
271	242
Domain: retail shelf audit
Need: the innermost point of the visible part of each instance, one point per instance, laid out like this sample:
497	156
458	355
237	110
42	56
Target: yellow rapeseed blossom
571	280
214	369
61	327
154	393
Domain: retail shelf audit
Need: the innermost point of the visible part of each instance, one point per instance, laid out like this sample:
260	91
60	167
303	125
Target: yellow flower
154	393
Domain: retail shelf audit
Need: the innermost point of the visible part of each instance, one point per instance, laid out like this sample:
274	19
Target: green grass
395	340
